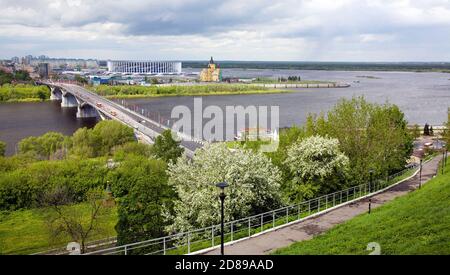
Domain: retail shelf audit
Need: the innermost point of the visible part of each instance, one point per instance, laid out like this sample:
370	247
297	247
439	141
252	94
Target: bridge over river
90	104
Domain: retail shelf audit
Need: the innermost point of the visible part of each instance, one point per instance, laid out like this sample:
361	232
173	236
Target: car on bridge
99	105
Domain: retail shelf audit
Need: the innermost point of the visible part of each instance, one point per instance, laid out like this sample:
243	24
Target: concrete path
307	229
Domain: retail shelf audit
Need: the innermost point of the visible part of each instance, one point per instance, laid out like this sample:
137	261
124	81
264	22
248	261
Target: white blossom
254	186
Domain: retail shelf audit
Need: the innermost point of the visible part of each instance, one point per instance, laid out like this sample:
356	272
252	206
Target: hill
418	223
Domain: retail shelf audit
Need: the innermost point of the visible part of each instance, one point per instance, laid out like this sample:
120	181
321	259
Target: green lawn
418	223
25	231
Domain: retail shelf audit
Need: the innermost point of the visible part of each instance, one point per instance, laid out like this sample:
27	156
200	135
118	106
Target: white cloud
241	30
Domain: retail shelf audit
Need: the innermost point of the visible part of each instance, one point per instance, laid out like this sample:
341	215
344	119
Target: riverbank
272	91
133	91
23	93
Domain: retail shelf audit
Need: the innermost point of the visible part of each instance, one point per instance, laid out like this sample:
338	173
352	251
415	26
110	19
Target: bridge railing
208	237
162	121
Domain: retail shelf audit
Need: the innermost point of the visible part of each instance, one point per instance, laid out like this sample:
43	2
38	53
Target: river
423	97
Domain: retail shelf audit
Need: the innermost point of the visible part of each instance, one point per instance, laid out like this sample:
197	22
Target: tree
415	132
166	147
318	167
253	180
132	148
141	184
22	75
42	95
100	140
372	136
81	79
446	133
43	147
66	219
2	149
426	130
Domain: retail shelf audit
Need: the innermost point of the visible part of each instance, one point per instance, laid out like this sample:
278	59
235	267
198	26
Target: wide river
423	97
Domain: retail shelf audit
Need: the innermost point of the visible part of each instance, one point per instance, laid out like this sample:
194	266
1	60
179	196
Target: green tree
372	136
318	167
81	79
21	75
166	147
426	130
43	147
132	148
5	77
141	184
415	132
2	149
100	140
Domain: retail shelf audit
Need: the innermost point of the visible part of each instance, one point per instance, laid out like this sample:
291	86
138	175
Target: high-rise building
15	59
43	70
145	67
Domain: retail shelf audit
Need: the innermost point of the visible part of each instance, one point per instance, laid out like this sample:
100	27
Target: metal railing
199	239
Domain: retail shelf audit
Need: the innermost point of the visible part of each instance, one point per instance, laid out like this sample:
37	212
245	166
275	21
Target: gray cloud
232	29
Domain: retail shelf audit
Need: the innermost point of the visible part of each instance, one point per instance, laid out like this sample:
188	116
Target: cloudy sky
285	30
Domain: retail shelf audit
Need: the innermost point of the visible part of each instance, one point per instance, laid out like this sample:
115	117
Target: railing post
287	214
341	197
326	202
189	242
125	250
334	199
262	222
164	246
249	228
273	219
309	207
231	231
318	204
212	236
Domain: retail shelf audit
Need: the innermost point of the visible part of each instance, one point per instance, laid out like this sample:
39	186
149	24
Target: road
307	229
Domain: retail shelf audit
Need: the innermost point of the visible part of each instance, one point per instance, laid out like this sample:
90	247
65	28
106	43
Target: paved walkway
307	229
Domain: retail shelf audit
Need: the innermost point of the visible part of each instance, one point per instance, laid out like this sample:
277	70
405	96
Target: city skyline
320	30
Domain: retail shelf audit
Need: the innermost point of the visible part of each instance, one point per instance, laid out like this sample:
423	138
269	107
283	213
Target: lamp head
222	185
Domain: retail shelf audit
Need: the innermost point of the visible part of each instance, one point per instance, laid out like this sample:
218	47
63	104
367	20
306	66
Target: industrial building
145	67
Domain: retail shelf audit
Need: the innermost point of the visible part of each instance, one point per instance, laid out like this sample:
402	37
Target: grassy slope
25	231
418	223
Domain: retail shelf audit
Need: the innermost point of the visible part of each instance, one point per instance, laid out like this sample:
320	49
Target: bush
19	92
2	149
23	188
43	147
100	140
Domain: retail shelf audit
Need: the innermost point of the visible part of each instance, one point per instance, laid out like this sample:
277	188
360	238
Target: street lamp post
420	174
443	161
371	178
222	196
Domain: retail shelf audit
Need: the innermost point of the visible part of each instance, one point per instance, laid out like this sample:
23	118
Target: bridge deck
130	118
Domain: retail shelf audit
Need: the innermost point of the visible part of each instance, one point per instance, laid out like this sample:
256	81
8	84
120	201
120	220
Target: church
212	73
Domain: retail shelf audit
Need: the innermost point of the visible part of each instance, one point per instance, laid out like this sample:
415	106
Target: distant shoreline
418	67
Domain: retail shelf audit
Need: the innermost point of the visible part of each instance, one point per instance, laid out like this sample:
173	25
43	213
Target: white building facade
145	67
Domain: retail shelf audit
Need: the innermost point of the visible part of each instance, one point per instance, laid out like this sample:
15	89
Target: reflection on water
21	120
423	97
